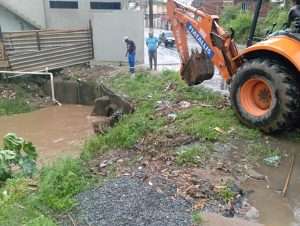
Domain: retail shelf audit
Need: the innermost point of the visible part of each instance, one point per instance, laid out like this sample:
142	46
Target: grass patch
125	134
60	182
192	154
260	151
41	221
145	91
197	218
202	122
24	203
15	209
16	105
152	88
226	194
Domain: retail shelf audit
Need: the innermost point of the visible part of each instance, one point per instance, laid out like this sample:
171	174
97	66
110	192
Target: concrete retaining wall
73	92
109	30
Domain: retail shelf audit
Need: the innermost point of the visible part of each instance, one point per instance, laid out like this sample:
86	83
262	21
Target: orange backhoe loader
263	78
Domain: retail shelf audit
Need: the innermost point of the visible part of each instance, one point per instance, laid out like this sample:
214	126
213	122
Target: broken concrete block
110	103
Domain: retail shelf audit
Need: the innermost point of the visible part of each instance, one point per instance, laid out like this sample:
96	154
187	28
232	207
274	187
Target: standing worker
130	53
152	44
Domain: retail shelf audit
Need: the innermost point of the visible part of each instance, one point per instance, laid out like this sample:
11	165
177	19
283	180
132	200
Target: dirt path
56	131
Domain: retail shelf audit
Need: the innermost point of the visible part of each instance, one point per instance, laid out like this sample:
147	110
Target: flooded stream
56	131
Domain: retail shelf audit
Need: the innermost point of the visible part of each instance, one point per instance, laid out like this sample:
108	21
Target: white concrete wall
109	30
30	10
68	18
74	18
10	22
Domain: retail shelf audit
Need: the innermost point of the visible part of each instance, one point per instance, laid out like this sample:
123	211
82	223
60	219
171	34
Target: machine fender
281	45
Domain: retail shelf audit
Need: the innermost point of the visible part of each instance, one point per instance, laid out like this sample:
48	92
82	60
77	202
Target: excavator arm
217	47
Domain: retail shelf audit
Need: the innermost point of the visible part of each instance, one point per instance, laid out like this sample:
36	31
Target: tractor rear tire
265	96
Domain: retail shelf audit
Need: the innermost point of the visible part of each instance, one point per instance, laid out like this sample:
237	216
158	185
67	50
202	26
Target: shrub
16	152
60	182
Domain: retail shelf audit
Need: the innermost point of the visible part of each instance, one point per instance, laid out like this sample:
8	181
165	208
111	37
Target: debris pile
84	72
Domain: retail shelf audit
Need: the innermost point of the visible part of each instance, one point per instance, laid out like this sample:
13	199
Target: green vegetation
226	194
213	124
34	201
145	91
197	218
16	208
17	152
260	151
192	154
240	21
15	105
60	182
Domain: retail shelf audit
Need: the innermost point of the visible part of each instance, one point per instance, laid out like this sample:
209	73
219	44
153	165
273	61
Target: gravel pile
127	201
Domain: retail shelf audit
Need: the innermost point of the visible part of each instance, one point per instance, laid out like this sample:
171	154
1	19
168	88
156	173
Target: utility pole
151	14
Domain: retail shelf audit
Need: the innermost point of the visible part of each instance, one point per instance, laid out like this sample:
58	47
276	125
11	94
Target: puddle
276	210
56	131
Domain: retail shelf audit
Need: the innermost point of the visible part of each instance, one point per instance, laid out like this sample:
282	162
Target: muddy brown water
56	131
276	210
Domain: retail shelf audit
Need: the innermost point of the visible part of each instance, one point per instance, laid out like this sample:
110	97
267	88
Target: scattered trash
184	104
288	179
172	116
272	161
170	86
219	130
255	175
104	164
162	105
206	105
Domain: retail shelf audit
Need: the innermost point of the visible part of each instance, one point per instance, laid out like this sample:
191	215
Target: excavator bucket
198	69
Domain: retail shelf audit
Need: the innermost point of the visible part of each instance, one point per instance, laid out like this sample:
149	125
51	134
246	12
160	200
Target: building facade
17	15
111	21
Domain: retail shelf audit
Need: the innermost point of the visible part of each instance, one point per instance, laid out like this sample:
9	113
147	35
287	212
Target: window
106	5
58	4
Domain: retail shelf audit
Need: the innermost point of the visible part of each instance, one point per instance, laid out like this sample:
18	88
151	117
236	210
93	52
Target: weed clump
60	182
193	154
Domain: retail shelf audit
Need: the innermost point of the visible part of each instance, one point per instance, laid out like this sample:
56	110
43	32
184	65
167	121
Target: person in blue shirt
152	44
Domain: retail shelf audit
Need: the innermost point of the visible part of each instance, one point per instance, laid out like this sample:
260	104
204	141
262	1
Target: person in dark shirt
294	14
130	53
